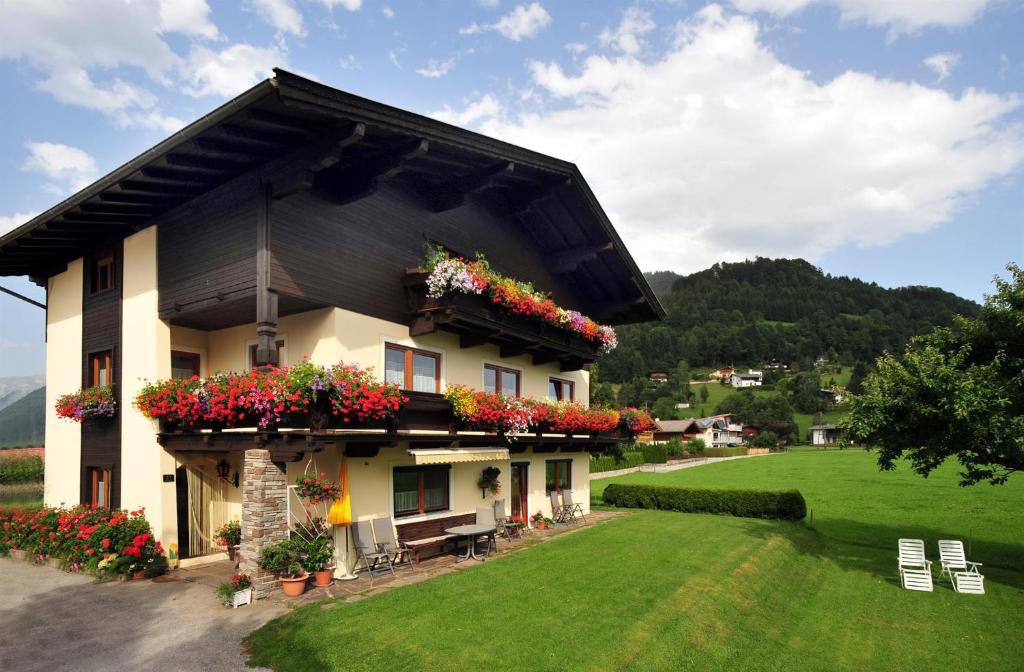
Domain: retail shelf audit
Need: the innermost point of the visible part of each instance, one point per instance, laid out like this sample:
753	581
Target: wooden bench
430	535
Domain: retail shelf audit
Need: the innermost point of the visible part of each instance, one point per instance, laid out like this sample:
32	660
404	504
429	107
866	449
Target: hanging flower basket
93	404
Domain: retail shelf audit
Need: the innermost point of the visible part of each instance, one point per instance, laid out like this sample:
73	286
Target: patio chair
506	527
387	542
574	509
915	570
952	558
485	516
367	551
558	513
971	583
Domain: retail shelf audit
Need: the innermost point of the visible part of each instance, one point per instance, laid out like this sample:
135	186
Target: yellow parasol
341	509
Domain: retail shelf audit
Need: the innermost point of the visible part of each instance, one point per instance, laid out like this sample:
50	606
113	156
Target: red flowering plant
357	396
178	400
636	420
449	274
573	418
87	405
317	489
229	534
489	412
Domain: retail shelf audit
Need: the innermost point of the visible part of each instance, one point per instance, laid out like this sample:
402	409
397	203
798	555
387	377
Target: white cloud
69	168
388	13
281	14
191	17
522	22
489	4
10	222
126	104
575	48
230	71
626	37
436	69
485	107
942	63
719	150
900	16
393	58
349	62
350	5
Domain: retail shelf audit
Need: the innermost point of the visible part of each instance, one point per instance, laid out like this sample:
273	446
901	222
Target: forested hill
785	309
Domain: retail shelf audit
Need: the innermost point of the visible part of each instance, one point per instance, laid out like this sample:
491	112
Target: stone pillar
264	515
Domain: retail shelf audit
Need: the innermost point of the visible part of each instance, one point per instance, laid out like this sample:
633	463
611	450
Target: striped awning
451	456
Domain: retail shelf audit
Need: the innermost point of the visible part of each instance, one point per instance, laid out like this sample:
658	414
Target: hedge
633	458
654	453
21	469
725	452
782	505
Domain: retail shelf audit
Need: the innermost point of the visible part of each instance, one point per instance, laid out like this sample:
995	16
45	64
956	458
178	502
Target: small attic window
101	277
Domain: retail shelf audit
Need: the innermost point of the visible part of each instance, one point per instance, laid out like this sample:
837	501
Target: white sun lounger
915	569
953	559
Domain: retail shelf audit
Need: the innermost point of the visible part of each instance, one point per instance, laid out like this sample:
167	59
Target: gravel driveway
54	621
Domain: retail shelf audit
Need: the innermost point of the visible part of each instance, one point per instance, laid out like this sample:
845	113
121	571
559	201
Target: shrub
782	505
654	453
27	469
627	459
675	447
725	451
695	446
284	557
765	440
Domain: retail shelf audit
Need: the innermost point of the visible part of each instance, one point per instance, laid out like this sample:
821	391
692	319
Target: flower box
241	598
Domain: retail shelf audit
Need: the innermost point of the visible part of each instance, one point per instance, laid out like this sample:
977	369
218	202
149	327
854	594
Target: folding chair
367	551
558	512
574	509
485	516
507	528
387	542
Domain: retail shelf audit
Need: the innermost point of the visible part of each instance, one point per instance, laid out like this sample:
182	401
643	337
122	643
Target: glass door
520	491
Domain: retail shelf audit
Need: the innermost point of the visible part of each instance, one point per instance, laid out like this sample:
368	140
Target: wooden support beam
544	358
297	171
266	298
472	340
96	217
452	194
187	175
360	181
569	260
280	121
124	197
567	364
188	189
257	137
207	164
119	208
514	350
85	226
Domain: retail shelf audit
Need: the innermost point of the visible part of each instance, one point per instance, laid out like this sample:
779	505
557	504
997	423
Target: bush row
654	453
21	469
629	458
782	505
730	451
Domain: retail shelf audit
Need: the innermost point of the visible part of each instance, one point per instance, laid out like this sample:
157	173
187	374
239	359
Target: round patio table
471	532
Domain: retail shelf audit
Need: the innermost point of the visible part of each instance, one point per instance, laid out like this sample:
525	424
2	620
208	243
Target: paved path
52	621
671	466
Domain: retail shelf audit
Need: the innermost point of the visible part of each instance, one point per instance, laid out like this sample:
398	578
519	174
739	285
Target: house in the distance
714	431
833	395
658	376
752	378
824	435
291	222
721	374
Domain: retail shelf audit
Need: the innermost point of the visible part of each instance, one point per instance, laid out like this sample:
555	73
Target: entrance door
202	509
520	490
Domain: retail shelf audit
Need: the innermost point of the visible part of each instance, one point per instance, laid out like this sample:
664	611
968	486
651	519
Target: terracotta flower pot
323	578
542	525
293	586
138	576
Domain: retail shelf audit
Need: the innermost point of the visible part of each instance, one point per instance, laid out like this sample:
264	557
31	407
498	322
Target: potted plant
319	554
230	536
285	557
488	482
237	592
539	521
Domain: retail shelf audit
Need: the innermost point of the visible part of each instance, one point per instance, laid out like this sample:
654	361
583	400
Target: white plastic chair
952	558
971	583
915	569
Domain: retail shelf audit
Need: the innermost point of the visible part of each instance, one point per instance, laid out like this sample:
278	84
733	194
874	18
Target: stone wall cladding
264	515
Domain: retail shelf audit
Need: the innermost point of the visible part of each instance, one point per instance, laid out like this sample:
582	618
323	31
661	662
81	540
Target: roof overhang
275	119
455	456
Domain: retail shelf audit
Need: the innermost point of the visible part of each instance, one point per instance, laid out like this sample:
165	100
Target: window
101	276
101	368
558	475
99	483
281	352
561	390
501	380
184	365
419	490
412	369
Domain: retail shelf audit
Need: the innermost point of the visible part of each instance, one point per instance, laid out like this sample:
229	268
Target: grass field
659	590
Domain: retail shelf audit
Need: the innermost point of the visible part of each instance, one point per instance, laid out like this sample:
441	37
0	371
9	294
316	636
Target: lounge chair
969	582
574	509
558	512
915	570
506	527
387	542
953	559
485	516
367	550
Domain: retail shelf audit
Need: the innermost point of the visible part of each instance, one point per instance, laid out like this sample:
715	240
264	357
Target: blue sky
883	140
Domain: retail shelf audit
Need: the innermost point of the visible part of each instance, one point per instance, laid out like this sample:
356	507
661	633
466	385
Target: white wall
63	375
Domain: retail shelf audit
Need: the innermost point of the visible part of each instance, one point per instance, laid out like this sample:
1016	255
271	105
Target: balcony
477	322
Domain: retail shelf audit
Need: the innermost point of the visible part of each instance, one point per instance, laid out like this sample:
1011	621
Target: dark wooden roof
267	128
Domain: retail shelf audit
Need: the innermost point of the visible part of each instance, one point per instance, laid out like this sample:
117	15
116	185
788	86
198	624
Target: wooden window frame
559	485
94	360
409	353
94	473
194	356
498	370
101	267
562	383
421	509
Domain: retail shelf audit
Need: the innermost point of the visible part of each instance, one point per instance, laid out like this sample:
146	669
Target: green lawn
659	590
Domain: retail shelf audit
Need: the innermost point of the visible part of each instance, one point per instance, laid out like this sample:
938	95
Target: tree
955	393
664	408
765	440
704	393
767	413
857	375
805	392
602	394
